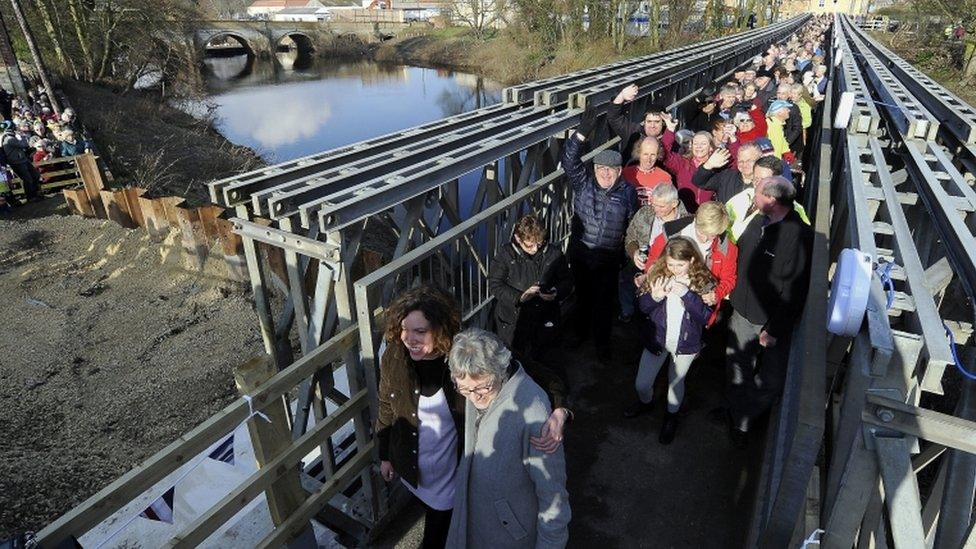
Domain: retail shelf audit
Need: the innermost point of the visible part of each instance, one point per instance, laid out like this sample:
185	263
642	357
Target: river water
297	107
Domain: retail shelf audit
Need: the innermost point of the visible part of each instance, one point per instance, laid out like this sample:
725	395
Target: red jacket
755	133
721	261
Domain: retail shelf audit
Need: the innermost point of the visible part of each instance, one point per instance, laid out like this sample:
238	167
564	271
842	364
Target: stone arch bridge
264	37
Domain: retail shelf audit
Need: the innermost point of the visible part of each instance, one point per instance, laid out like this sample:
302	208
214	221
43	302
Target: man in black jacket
528	278
618	117
773	277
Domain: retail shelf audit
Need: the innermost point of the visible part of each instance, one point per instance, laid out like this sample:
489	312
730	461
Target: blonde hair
712	218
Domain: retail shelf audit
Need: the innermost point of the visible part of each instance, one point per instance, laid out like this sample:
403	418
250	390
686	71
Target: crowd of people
693	234
30	134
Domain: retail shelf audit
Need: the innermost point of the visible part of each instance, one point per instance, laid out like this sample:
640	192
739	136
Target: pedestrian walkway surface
626	489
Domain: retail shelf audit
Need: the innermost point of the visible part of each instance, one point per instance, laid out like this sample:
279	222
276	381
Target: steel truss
903	199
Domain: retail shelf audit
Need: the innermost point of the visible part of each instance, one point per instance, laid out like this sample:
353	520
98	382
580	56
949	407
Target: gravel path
107	354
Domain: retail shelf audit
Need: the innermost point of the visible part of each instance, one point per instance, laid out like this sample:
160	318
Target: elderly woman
683	167
509	494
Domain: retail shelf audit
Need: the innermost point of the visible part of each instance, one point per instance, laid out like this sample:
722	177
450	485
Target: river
298	107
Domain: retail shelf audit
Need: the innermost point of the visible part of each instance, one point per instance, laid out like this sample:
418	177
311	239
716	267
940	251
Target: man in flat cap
603	204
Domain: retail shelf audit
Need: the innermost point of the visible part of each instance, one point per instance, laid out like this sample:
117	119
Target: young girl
671	297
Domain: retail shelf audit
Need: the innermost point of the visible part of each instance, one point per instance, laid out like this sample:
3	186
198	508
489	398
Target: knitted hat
777	105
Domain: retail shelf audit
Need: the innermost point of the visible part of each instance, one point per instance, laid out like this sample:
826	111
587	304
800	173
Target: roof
299	11
284	4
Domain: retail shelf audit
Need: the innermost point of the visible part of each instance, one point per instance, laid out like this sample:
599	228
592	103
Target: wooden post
269	439
92	179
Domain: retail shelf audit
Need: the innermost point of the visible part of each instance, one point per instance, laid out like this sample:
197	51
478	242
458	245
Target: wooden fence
201	228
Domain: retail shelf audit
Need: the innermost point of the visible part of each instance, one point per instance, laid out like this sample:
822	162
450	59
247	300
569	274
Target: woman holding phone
528	279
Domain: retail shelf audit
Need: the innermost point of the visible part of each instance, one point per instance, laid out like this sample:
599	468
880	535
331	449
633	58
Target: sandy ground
107	354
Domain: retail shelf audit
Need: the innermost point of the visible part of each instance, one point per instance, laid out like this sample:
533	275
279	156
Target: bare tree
481	15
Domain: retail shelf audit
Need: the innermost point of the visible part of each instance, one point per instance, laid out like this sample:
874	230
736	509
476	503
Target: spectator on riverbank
19	154
42	152
71	146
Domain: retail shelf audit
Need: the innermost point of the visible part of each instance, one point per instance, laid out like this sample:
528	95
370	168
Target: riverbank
153	145
506	58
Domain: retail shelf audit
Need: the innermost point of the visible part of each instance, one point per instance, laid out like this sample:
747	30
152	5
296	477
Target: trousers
650	365
754	374
595	273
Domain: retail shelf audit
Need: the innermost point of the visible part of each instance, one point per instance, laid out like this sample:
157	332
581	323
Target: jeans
650	365
626	291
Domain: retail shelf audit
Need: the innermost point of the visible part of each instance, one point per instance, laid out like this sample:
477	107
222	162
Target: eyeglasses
477	391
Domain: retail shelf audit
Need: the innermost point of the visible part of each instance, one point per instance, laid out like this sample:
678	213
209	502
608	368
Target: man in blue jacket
603	204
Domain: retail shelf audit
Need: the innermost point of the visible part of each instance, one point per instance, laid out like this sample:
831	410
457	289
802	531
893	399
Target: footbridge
266	37
872	444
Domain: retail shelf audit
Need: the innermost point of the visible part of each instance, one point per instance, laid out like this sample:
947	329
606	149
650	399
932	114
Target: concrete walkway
626	489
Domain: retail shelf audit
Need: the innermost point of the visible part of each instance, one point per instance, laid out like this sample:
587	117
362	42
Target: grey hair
779	189
784	86
750	145
798	87
476	353
665	192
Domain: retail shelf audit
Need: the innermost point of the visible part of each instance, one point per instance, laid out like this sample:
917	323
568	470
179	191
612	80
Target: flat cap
608	157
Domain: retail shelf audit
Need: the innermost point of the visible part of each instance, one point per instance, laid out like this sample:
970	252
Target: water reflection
285	114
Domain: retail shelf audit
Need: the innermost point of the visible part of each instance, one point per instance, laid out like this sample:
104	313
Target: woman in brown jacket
421	415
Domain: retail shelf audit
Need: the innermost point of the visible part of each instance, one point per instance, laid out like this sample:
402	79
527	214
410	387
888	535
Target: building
327	12
264	9
789	8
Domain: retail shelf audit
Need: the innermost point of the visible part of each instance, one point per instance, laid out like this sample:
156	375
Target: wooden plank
263	478
92	179
271	439
194	243
295	523
112	209
78	203
132	195
150	221
162	221
113	497
170	203
208	219
233	247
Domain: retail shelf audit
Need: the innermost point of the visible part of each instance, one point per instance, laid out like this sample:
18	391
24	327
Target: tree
481	15
117	41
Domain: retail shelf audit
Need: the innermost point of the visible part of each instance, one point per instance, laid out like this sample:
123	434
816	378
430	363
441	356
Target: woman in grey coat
508	493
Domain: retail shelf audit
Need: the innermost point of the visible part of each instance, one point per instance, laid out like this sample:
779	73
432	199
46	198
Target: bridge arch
222	44
300	41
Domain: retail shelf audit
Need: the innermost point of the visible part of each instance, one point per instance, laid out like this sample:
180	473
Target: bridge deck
626	489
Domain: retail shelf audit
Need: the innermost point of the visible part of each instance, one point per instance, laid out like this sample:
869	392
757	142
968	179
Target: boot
669	428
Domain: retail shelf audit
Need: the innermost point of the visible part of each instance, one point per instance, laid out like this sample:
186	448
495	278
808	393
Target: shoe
637	409
625	319
719	416
739	438
669	428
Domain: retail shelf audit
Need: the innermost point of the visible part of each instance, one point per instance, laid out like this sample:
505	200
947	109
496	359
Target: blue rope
955	356
884	273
